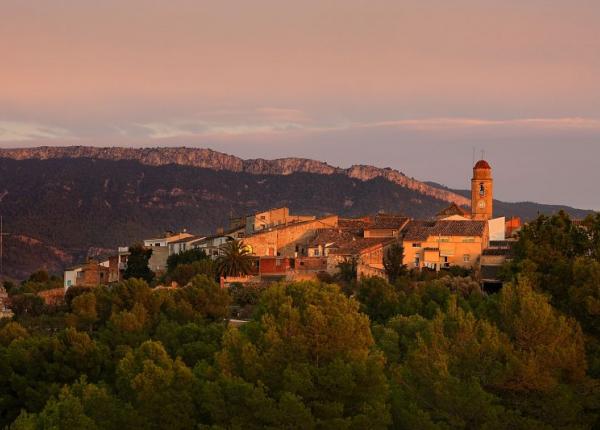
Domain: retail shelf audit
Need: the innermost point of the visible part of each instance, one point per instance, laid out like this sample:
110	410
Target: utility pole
2	234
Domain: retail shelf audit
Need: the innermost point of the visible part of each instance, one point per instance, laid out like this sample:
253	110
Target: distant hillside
209	159
58	210
525	210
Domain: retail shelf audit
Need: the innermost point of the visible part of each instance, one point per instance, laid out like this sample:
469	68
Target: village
287	246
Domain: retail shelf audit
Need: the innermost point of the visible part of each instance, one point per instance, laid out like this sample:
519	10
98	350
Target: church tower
482	187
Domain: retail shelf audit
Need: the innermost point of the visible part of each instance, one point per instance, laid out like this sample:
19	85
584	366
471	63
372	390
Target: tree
379	300
27	305
137	264
12	331
309	347
235	260
185	257
201	298
183	273
82	406
393	262
159	387
348	270
84	311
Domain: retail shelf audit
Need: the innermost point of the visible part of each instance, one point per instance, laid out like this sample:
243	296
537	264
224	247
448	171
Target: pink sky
385	82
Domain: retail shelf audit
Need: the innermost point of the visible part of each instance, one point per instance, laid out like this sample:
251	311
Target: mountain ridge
210	159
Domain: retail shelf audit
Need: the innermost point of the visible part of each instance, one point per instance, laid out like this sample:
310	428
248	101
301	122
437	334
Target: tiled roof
330	236
358	245
453	209
421	230
352	224
388	221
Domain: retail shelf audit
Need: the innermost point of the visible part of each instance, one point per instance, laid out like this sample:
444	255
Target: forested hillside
425	352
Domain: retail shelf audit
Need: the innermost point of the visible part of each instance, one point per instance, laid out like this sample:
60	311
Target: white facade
497	228
70	277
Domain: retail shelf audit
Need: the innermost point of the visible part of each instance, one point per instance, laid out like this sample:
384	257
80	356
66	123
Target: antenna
473	162
1	245
482	154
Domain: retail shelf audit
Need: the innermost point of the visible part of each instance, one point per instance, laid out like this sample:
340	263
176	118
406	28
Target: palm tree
235	260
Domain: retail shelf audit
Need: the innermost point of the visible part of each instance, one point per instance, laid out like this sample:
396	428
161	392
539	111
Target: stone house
287	240
443	243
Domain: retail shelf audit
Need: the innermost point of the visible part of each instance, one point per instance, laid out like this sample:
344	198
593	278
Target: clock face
481	204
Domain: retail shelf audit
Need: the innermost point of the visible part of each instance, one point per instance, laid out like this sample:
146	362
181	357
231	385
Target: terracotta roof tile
421	230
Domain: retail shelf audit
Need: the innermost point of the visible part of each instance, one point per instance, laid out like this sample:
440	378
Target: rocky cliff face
207	158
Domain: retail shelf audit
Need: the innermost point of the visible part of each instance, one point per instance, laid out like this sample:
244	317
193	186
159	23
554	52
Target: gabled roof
331	237
353	225
388	221
453	209
422	230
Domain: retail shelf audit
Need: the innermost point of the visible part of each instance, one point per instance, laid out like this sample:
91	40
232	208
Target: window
466	258
416	261
416	245
481	189
316	252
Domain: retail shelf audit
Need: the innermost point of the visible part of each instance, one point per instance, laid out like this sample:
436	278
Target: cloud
231	122
281	122
14	131
445	123
278	121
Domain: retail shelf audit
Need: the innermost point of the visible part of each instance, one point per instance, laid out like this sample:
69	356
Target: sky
416	85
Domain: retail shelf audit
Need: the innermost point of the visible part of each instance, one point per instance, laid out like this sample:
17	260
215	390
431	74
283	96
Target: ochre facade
482	192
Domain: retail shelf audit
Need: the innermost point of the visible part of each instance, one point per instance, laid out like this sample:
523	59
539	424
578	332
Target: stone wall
285	240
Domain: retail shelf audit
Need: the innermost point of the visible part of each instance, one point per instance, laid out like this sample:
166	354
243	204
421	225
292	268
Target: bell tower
482	191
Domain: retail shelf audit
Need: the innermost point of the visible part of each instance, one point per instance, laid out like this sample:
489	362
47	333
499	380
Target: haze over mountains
61	204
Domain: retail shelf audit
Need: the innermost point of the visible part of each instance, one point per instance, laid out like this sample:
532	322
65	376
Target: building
482	192
71	275
441	244
454	212
160	250
513	226
184	244
493	259
5	311
385	225
287	240
266	219
212	245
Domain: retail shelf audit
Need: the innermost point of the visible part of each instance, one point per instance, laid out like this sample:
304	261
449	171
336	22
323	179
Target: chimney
220	230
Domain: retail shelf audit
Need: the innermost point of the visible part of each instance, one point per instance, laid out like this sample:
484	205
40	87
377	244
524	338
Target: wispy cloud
14	131
444	123
270	121
273	121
